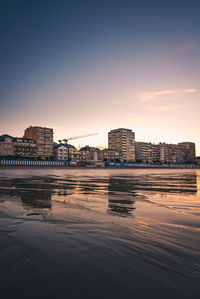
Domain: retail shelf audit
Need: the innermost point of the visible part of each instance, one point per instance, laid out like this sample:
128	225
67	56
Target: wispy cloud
149	96
164	108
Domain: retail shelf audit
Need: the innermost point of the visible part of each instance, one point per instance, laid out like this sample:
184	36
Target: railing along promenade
106	164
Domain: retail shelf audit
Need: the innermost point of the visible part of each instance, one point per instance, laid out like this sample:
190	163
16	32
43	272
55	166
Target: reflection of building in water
186	183
121	196
118	207
123	191
198	183
40	199
33	192
178	182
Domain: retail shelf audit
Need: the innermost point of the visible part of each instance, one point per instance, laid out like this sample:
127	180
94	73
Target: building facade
107	155
74	154
180	153
147	152
66	152
123	141
6	146
88	154
190	151
164	153
197	160
17	147
60	152
143	152
44	141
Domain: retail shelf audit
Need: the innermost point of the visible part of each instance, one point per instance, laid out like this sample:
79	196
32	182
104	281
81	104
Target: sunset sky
90	66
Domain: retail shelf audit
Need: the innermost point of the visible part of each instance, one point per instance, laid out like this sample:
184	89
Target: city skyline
76	140
91	67
37	144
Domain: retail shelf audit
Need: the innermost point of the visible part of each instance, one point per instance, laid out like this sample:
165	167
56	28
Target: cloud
150	96
164	108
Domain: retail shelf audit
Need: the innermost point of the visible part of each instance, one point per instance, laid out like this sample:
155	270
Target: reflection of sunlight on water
184	226
198	183
143	224
112	193
184	203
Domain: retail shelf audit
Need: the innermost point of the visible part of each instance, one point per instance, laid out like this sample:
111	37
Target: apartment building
60	152
197	160
123	140
17	147
189	152
169	153
6	146
180	153
143	152
147	152
44	141
88	154
74	154
107	155
66	152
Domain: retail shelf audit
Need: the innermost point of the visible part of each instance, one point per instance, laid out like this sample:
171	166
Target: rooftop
15	139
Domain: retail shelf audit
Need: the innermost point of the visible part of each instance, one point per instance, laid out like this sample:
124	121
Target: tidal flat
99	233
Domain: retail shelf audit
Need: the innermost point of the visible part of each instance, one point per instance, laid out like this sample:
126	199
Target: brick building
44	141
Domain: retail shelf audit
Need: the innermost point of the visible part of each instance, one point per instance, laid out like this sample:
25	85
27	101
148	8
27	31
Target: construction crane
76	137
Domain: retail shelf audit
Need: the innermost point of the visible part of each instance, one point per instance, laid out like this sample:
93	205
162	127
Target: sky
83	67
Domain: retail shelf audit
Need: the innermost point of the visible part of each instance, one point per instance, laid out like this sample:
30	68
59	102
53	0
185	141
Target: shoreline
87	168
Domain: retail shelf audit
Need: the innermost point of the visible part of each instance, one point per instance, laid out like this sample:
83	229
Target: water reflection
128	228
121	195
34	192
40	199
198	183
114	194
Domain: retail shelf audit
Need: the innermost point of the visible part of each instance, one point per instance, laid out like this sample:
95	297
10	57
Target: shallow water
99	233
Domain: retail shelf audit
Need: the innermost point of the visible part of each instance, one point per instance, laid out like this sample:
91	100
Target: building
180	153
17	147
44	141
24	148
88	154
197	160
164	153
60	152
169	153
190	151
6	146
107	155
147	152
123	141
155	153
143	152
74	154
66	152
